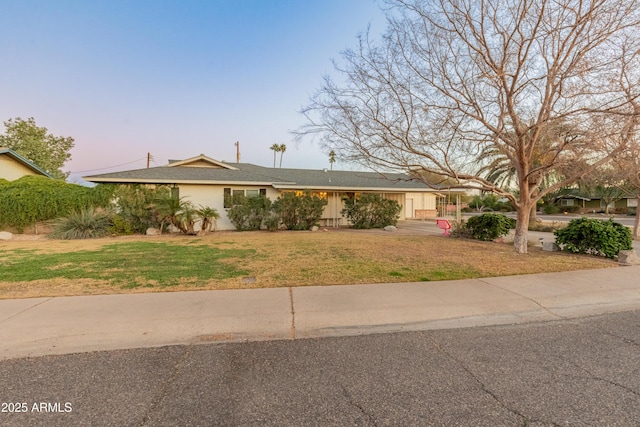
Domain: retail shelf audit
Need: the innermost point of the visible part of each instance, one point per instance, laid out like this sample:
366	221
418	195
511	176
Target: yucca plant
86	223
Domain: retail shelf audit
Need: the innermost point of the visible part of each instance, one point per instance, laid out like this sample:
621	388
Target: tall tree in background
34	143
539	82
276	149
282	148
332	158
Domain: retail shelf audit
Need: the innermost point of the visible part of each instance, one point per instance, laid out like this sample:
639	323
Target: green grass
128	265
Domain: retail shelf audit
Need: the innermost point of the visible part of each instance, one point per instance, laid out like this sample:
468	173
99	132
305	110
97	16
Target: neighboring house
205	181
14	166
595	203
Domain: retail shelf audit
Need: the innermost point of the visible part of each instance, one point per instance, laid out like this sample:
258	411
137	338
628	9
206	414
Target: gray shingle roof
248	174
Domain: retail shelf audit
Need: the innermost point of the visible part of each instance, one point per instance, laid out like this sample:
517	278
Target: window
175	192
227	197
229	193
566	202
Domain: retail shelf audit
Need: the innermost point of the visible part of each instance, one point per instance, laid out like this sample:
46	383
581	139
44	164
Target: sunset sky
173	78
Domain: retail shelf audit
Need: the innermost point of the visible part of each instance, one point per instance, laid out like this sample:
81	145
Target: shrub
272	221
299	211
137	206
595	237
32	198
372	211
550	209
83	224
248	213
120	226
490	226
460	230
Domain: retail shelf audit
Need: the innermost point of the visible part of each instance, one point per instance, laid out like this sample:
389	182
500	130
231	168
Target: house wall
213	196
12	170
424	205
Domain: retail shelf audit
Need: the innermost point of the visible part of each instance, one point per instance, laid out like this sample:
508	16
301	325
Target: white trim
203	158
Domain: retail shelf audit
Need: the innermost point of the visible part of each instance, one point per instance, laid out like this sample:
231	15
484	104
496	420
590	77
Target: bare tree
536	81
629	161
608	183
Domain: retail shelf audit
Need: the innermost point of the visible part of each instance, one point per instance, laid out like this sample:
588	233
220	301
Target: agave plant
83	224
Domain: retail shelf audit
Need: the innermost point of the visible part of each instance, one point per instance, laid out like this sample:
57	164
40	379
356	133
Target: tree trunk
533	215
206	223
522	228
636	223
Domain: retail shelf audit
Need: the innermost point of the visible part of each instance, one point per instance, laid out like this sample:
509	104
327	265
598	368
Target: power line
111	167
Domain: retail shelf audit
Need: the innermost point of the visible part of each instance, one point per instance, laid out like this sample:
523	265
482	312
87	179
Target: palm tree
209	217
176	211
275	148
332	158
282	149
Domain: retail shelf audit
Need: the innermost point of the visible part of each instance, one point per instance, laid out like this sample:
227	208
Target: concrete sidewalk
42	326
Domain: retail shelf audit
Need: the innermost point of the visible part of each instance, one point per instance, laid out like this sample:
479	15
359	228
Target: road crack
177	370
353	403
525	419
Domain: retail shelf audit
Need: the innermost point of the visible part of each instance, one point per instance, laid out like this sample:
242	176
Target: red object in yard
445	225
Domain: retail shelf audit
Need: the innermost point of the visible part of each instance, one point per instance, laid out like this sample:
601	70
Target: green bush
83	224
272	221
248	213
120	226
135	208
594	237
371	211
550	209
299	212
32	198
490	226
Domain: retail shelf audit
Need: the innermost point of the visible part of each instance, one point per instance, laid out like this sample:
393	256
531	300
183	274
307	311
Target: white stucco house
14	166
205	181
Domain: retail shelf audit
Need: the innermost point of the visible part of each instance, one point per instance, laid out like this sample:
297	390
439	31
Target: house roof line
174	181
345	188
24	161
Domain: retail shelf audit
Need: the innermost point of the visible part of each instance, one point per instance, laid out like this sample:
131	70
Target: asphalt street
582	372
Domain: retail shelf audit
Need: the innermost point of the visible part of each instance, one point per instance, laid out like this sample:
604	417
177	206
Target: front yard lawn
228	260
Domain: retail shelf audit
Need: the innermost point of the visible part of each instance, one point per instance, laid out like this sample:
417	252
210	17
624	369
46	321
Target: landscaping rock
390	228
550	247
628	258
153	232
314	228
5	235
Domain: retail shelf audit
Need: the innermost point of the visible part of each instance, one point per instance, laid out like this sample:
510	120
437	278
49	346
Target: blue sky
173	78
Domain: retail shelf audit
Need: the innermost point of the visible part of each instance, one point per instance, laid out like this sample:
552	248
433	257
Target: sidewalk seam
292	333
27	309
525	297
